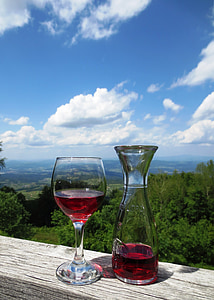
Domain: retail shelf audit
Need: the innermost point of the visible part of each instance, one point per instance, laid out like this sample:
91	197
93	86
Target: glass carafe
135	245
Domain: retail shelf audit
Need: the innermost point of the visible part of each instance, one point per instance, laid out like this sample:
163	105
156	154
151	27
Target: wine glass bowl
79	187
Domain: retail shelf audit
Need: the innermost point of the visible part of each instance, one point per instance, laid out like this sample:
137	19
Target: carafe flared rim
136	148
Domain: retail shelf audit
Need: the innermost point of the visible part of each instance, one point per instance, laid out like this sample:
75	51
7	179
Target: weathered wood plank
27	271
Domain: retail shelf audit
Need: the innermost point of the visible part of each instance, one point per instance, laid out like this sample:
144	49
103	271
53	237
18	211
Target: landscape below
29	177
181	194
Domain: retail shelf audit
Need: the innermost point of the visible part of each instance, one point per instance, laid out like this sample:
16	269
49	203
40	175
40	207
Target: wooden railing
27	271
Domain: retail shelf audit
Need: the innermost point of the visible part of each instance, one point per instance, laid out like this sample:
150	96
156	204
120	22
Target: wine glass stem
79	234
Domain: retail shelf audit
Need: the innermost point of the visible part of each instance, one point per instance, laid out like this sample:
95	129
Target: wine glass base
81	274
138	282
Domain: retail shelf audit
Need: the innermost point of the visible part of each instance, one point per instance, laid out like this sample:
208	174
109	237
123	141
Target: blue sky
78	77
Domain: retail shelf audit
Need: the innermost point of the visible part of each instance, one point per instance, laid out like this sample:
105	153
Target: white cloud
159	119
13	14
201	132
103	20
154	88
66	10
121	9
91	29
107	135
20	121
89	110
169	104
205	110
52	27
147	117
26	136
203	72
94	20
101	118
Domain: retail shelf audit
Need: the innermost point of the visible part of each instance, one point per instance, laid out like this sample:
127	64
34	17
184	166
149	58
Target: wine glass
79	187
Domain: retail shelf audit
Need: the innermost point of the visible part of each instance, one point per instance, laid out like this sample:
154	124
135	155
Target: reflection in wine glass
79	187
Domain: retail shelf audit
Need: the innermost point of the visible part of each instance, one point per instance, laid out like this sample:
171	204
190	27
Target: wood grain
27	271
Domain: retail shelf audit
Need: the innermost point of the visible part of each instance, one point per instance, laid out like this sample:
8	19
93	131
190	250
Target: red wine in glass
79	205
135	263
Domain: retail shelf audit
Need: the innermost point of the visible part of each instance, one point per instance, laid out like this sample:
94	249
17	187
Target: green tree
42	208
183	205
46	206
100	226
205	179
64	228
21	197
13	216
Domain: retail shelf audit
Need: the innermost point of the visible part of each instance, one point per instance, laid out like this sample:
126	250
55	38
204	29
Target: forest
182	204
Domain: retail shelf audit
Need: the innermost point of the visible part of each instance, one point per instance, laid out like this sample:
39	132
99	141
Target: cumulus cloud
94	19
205	110
107	135
20	121
169	104
99	119
102	118
201	132
203	72
26	136
154	88
89	110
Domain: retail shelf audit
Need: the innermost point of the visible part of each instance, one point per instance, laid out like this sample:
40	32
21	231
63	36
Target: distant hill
170	166
39	172
113	168
29	177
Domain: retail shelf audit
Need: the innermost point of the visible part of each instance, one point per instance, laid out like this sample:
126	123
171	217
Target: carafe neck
135	162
